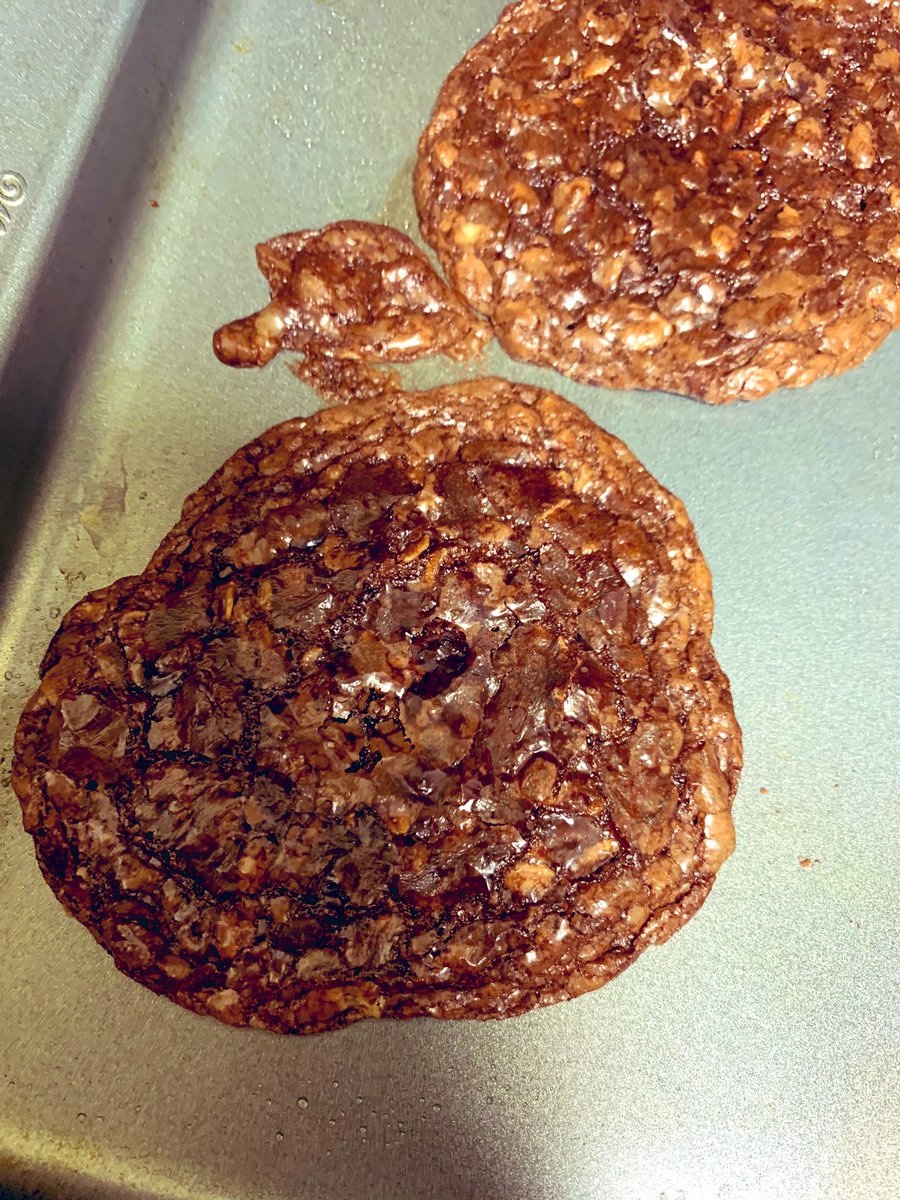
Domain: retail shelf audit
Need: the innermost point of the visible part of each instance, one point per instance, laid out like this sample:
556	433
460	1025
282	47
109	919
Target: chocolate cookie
697	197
413	712
345	296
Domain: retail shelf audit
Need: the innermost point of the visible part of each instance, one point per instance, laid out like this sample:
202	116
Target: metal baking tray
755	1056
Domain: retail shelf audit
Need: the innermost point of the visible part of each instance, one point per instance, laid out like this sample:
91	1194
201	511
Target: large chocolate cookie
698	197
412	712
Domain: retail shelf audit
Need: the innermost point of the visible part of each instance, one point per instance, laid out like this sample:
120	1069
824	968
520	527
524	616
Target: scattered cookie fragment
352	292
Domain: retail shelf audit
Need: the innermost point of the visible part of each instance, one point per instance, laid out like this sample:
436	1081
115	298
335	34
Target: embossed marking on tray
12	193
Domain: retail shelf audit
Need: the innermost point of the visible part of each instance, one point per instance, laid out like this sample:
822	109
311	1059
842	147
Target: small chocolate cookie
413	712
697	197
348	295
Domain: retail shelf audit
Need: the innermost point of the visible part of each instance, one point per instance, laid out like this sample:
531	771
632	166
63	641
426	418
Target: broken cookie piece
351	293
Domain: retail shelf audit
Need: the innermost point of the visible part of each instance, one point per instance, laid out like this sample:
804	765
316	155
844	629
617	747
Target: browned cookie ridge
413	712
676	194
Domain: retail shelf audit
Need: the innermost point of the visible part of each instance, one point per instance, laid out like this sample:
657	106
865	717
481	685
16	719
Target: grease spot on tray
104	502
398	208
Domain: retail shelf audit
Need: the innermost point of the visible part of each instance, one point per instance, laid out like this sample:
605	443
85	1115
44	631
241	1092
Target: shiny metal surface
752	1058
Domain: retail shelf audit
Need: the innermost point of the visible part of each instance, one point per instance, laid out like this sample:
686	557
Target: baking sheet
754	1057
